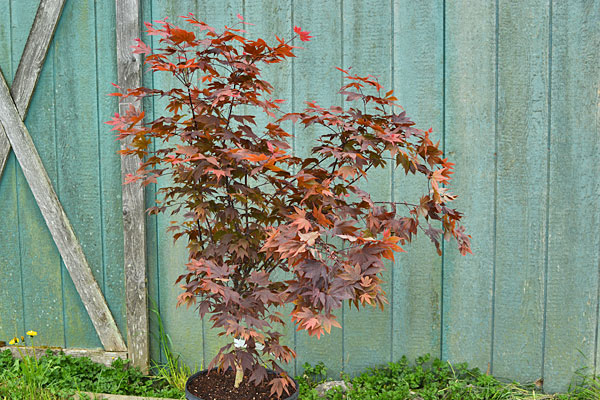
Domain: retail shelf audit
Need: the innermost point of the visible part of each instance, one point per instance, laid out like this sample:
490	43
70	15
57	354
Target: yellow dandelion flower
14	340
22	338
32	333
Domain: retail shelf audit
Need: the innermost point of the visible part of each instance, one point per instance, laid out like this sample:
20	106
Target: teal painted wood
77	150
11	317
470	102
574	213
151	220
361	45
40	260
316	79
522	188
418	85
109	176
219	14
181	325
192	338
6	42
280	76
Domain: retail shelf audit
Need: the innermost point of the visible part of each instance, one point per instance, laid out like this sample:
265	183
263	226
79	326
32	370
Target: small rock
325	386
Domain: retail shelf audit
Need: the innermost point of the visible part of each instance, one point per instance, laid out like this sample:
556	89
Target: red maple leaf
303	34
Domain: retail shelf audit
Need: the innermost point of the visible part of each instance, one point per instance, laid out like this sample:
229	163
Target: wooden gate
14	134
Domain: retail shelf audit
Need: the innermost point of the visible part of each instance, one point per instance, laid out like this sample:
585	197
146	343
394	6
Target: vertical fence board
316	79
470	143
40	260
150	196
280	76
11	318
182	325
522	188
574	214
108	165
77	144
361	45
418	74
216	14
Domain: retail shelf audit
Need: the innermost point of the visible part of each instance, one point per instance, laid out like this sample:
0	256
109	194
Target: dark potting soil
219	386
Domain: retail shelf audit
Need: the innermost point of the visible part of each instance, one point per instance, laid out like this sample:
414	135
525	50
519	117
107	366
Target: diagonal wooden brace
58	223
30	66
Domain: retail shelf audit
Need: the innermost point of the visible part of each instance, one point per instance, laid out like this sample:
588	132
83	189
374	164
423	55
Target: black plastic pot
190	396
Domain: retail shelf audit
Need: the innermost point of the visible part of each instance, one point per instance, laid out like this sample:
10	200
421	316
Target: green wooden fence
512	89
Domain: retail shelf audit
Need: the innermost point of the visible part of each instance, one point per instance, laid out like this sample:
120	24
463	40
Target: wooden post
129	76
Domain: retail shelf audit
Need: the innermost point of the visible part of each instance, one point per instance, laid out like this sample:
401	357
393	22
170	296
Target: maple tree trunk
239	375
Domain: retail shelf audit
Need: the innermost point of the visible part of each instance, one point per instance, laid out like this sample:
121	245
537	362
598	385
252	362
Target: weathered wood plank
316	79
574	212
5	64
4	151
98	356
31	63
470	129
418	81
361	45
34	54
58	223
40	259
129	72
521	188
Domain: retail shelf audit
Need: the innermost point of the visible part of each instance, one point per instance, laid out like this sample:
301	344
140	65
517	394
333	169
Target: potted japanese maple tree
266	228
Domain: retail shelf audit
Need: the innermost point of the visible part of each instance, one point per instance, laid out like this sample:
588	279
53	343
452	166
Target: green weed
173	370
63	375
433	379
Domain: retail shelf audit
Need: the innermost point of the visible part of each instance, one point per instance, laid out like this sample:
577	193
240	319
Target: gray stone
325	386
